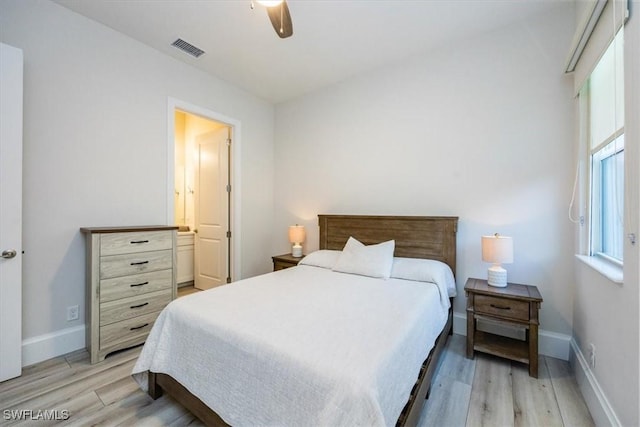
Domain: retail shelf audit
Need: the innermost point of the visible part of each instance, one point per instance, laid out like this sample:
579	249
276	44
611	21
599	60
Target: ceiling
332	39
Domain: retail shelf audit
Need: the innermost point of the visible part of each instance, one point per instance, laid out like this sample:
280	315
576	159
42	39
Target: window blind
601	21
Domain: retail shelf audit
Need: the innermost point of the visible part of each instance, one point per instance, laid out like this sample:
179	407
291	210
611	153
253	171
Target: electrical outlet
72	313
592	356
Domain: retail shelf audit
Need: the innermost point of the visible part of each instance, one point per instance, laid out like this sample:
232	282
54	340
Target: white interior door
211	209
10	212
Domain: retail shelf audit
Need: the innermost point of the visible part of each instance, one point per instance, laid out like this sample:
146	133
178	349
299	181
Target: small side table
280	262
513	305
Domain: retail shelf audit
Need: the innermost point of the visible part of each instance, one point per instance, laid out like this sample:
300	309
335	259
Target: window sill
609	270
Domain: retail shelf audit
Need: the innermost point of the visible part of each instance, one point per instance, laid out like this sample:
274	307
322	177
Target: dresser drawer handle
138	327
135	242
139	305
139	284
499	307
140	263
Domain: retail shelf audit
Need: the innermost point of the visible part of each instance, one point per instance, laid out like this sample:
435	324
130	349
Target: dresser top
125	229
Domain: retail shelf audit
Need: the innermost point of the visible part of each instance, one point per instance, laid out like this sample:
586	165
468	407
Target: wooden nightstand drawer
502	307
280	262
279	265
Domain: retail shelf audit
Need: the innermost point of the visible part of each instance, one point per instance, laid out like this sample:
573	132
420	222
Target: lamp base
497	276
296	251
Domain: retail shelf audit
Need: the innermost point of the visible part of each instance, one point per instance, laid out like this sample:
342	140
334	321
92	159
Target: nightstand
280	262
513	306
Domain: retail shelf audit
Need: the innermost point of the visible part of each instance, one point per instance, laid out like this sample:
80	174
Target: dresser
131	277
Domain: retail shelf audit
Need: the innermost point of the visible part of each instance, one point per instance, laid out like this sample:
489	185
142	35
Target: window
605	93
607	194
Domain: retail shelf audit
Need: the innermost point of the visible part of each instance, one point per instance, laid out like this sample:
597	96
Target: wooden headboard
431	237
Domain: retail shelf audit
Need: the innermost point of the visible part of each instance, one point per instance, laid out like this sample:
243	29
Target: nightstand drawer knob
500	307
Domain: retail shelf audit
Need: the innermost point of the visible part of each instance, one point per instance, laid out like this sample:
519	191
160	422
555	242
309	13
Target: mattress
301	346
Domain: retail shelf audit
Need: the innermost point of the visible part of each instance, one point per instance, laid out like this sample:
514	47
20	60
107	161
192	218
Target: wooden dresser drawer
123	265
127	331
142	241
502	307
129	286
126	308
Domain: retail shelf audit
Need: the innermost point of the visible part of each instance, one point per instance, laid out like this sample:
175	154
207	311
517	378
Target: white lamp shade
296	234
497	249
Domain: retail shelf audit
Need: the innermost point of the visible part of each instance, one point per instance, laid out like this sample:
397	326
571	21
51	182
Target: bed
238	355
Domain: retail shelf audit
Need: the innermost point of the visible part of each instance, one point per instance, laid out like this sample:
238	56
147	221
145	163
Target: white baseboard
550	344
54	344
597	402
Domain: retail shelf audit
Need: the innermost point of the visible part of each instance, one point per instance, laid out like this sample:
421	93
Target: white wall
480	129
95	150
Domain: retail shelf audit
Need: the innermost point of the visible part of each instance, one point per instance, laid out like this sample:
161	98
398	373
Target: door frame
235	125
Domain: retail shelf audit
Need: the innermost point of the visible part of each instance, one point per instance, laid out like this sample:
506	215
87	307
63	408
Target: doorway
202	199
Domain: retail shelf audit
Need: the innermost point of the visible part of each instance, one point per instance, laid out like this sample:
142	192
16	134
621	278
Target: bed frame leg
155	391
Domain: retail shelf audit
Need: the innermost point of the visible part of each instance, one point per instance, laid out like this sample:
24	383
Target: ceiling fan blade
281	20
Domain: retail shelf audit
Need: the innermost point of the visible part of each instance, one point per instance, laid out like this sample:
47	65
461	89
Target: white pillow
425	270
324	258
372	260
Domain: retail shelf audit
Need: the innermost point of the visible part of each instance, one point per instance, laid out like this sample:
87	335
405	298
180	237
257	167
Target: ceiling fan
279	15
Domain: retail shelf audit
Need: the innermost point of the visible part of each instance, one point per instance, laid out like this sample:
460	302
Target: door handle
8	254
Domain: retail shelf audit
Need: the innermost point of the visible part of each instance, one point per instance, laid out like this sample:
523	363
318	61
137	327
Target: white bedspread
303	346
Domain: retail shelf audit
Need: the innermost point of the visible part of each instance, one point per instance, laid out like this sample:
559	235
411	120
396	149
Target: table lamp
296	237
497	250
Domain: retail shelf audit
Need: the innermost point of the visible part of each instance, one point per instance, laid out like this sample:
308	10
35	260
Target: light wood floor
485	391
186	290
489	391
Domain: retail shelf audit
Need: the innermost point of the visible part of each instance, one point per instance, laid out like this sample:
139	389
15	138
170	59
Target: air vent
188	48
